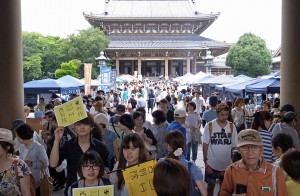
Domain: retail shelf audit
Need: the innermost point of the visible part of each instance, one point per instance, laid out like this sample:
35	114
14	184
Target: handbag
46	184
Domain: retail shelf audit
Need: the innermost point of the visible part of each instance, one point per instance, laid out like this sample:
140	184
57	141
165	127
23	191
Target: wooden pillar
132	67
118	65
139	66
290	58
166	68
194	66
11	66
188	65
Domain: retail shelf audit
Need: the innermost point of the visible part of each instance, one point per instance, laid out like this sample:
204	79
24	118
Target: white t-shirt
199	103
140	102
220	145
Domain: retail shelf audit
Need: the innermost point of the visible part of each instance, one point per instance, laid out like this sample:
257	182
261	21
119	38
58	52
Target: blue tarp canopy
239	79
222	79
275	87
264	86
50	86
239	87
71	80
203	79
242	78
276	74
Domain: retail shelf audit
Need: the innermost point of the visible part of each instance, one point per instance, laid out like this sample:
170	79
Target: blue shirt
209	115
108	139
195	171
176	126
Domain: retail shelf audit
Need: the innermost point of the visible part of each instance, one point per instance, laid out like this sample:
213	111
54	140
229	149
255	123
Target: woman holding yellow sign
91	170
132	151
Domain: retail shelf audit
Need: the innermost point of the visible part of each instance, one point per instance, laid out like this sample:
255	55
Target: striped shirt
267	144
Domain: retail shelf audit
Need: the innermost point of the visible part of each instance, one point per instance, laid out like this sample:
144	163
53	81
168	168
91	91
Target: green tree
249	56
32	67
52	55
42	55
85	46
31	56
68	68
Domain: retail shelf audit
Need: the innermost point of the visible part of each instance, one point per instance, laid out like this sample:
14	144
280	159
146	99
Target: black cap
287	107
49	113
17	123
121	108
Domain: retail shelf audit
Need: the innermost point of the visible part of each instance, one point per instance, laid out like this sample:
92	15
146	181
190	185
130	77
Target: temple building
157	37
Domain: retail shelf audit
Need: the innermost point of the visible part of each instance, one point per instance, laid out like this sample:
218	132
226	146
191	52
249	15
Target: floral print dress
9	185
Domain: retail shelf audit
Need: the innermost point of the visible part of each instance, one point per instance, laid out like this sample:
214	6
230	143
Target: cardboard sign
139	179
70	112
94	191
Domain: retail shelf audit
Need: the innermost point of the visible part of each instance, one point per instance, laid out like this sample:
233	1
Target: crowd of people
248	148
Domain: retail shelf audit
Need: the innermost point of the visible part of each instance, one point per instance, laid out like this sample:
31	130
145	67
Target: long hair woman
132	151
171	170
261	122
175	144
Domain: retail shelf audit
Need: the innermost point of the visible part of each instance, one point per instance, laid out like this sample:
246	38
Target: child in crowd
90	171
291	165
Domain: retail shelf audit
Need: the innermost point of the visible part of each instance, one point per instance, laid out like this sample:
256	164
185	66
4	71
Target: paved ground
199	161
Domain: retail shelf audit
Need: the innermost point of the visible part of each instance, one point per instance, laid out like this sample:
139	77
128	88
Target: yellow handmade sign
139	179
94	191
70	112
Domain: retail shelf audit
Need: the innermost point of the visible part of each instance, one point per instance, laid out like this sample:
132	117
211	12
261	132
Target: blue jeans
194	147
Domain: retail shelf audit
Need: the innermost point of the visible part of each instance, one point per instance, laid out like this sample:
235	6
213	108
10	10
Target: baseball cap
17	123
249	136
49	113
180	113
213	100
121	108
290	116
287	107
6	136
101	119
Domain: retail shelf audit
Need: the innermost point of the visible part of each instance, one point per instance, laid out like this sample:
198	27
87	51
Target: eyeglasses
247	148
223	130
88	167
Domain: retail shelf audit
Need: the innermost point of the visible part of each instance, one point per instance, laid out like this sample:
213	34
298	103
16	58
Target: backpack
195	190
210	127
105	180
32	181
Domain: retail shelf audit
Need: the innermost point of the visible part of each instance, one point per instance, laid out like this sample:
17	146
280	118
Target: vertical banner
139	179
87	78
113	78
105	75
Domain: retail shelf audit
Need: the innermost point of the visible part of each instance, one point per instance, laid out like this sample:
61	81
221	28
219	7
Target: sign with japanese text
94	191
87	77
70	112
139	179
105	77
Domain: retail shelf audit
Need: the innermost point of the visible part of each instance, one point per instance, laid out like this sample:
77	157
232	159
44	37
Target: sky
65	17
